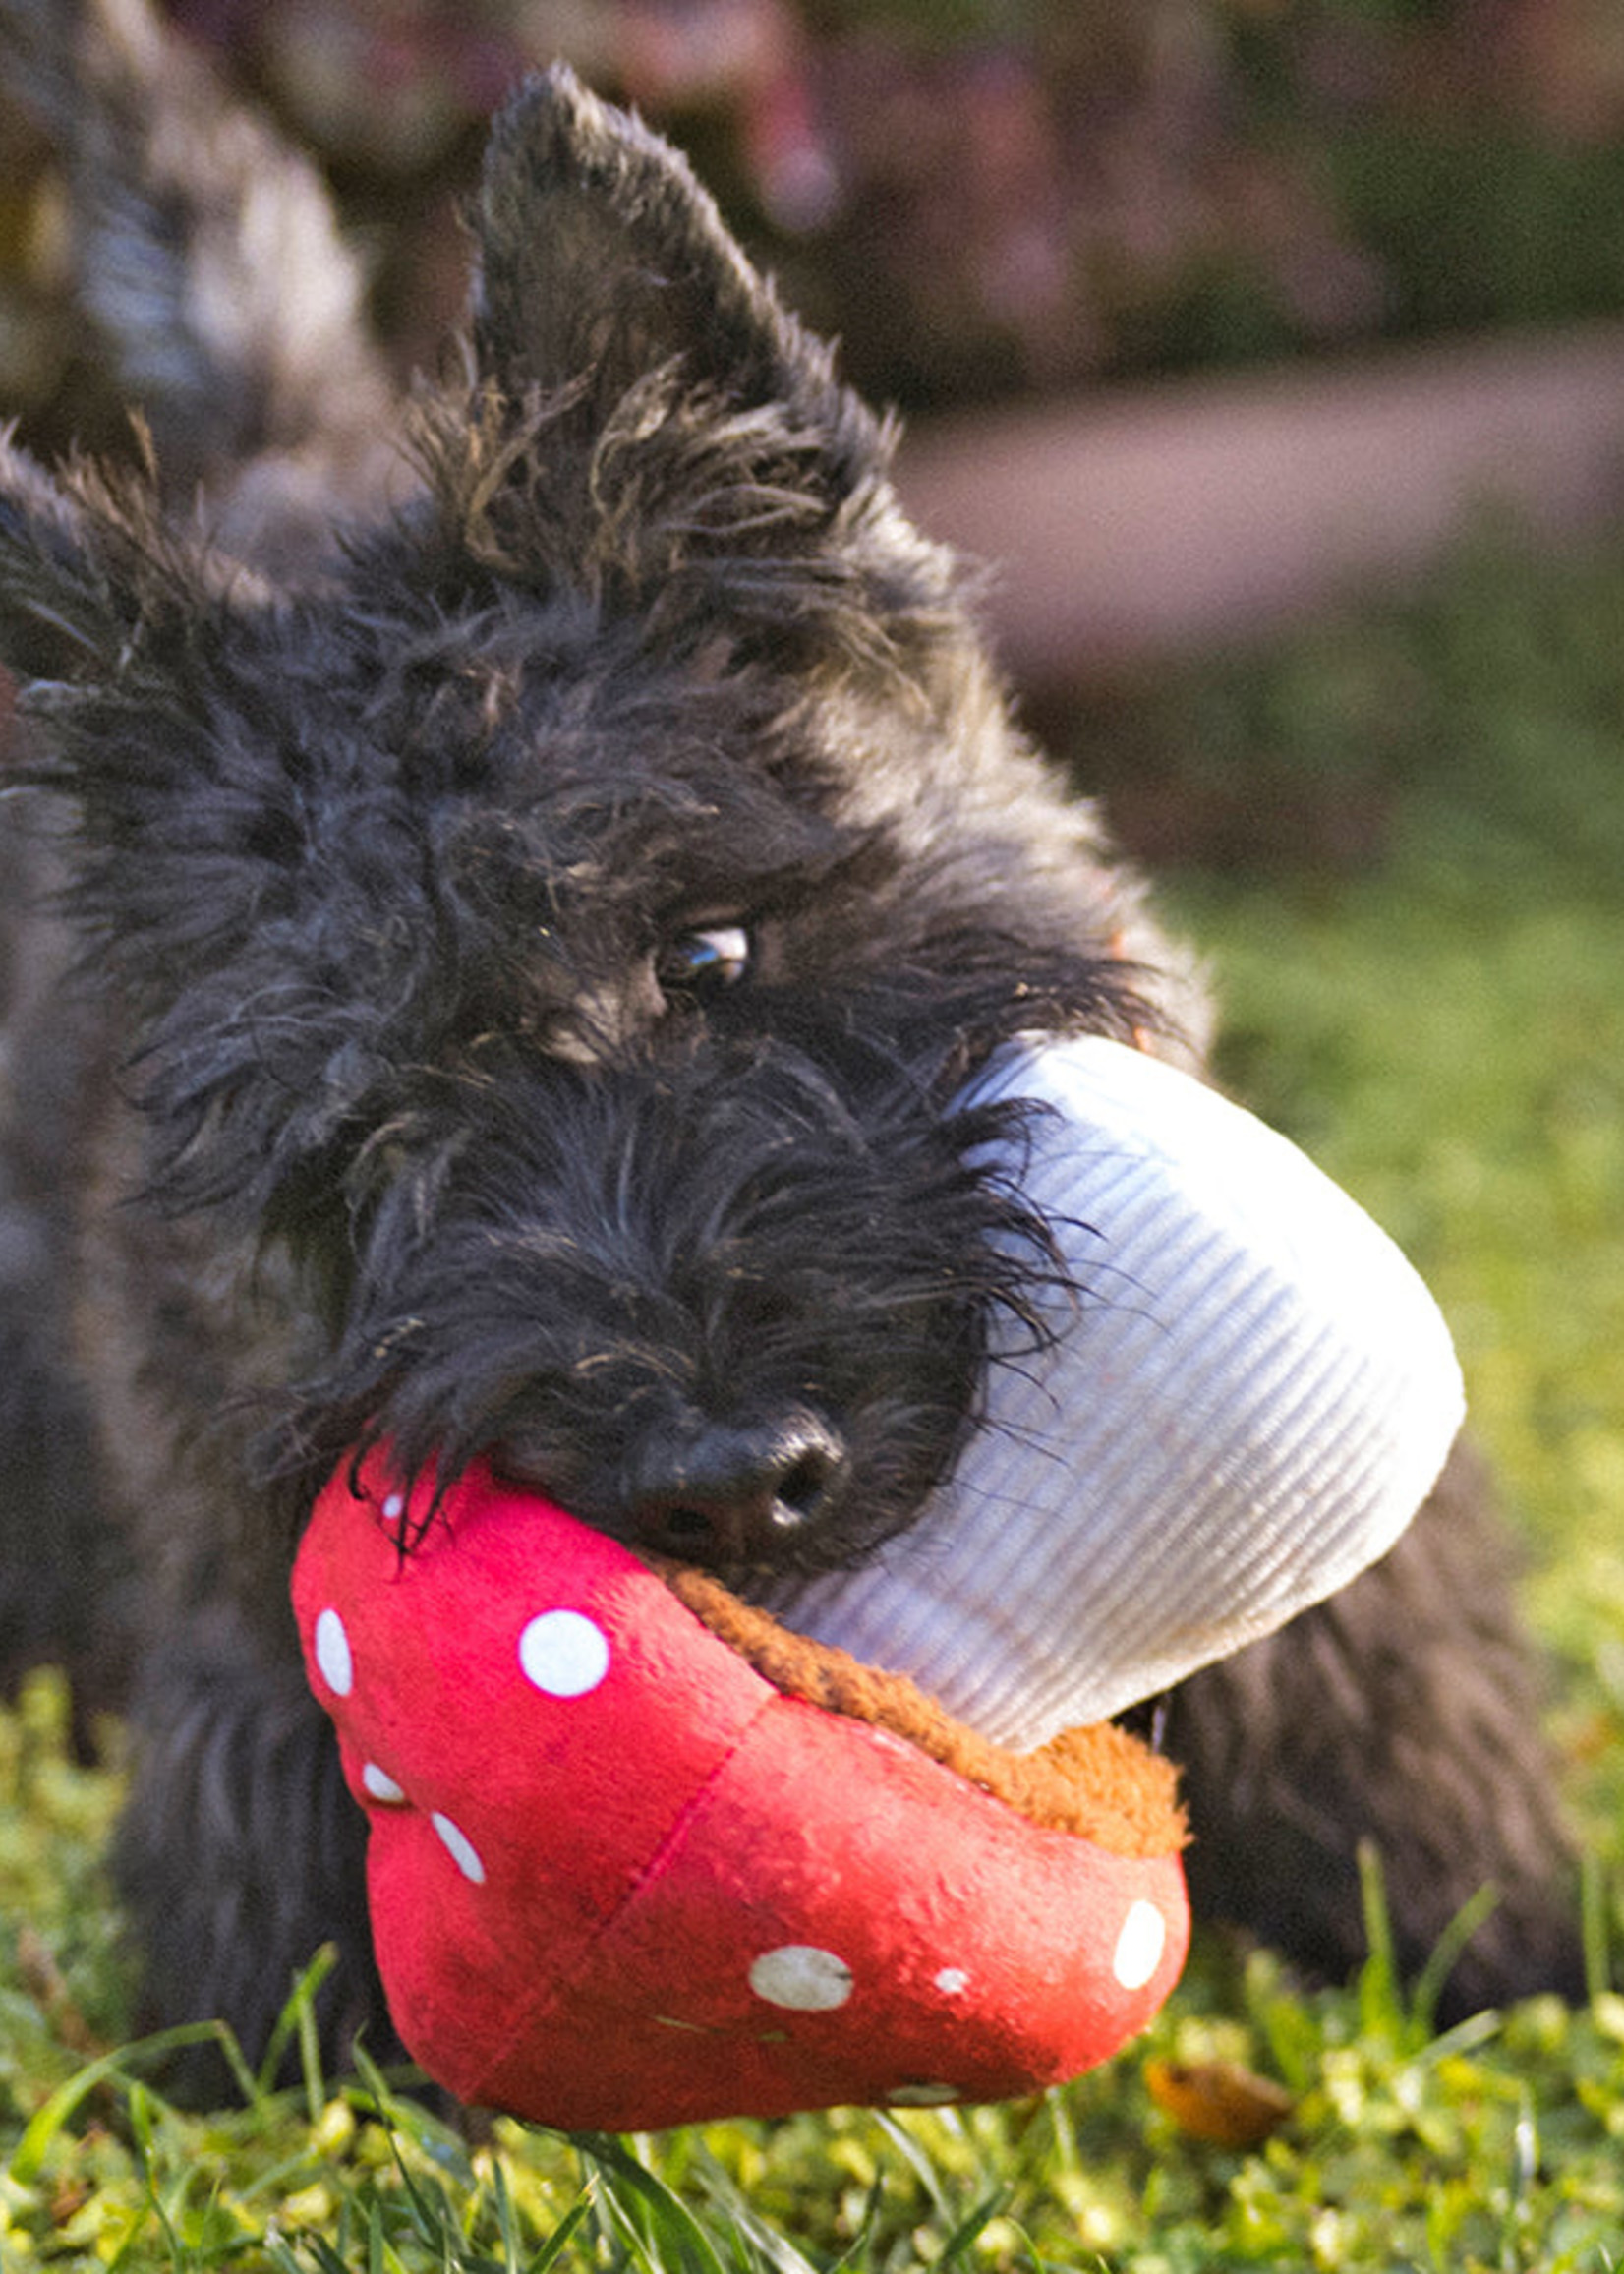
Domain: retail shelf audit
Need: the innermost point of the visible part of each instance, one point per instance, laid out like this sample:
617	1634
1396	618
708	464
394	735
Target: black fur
492	956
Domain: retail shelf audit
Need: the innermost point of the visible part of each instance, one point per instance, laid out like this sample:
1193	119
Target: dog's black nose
734	1496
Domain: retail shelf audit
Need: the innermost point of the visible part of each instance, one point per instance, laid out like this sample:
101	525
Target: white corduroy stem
1243	1406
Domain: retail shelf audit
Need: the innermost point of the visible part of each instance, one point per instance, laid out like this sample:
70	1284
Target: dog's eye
703	961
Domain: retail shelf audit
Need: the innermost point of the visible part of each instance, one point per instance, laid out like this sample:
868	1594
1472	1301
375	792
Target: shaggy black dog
493	935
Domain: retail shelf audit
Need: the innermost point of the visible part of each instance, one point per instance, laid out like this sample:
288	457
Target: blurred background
992	200
1202	312
1272	352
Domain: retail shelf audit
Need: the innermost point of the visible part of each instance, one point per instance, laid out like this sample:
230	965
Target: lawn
1425	982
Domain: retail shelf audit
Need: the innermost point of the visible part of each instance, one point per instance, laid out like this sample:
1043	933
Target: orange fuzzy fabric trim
1100	1783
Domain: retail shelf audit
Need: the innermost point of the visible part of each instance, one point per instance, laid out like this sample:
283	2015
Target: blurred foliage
984	199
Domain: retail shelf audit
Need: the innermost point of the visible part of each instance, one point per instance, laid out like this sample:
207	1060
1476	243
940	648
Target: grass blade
28	2156
660	2225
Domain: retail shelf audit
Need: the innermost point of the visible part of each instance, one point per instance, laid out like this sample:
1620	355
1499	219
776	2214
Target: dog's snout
735	1495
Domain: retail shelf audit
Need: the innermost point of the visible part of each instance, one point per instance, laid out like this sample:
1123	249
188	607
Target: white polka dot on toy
381	1785
460	1848
394	1507
953	1981
564	1654
801	1978
1139	1946
333	1653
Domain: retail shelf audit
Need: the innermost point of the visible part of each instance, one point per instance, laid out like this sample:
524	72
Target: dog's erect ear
602	260
104	599
64	608
209	806
145	660
653	425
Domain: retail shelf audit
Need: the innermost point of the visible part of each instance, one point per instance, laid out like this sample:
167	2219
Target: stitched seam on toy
674	1832
676	1829
1098	1783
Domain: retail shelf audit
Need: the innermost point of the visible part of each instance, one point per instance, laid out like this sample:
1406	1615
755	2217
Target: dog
503	892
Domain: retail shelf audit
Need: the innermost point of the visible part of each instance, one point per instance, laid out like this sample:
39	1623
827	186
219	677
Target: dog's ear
602	262
145	691
652	428
183	727
63	606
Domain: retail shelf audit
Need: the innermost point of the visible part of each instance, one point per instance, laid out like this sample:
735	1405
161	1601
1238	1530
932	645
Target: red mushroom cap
620	1881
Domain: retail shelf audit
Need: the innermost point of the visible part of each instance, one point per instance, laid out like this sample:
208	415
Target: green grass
1498	2146
1444	1027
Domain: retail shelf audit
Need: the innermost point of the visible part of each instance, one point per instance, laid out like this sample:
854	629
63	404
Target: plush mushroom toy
642	1854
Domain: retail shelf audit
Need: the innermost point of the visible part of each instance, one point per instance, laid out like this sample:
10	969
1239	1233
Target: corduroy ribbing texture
1248	1393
